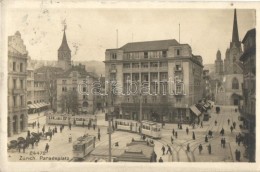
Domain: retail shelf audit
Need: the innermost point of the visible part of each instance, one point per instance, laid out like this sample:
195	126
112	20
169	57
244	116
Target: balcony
112	70
178	69
19	91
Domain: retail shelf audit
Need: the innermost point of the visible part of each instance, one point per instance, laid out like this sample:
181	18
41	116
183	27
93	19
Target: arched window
235	84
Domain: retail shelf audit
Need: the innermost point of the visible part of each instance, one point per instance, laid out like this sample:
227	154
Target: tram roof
83	140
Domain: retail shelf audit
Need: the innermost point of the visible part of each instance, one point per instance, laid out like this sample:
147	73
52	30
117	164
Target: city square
158	99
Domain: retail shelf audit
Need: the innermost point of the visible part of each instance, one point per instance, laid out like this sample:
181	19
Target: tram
149	128
152	129
83	146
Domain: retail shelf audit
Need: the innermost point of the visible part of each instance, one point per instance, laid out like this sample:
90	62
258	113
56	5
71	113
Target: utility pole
109	123
140	115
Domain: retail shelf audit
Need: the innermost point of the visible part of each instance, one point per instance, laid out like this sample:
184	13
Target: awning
36	105
195	110
31	106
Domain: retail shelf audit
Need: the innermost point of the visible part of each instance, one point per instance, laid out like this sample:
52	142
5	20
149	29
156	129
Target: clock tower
64	54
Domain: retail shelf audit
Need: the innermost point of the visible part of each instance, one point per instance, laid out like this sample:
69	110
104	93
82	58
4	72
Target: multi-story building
30	87
74	78
79	81
166	69
17	77
249	91
206	85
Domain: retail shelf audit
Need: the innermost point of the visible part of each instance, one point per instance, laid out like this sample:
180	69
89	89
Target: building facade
17	85
78	83
163	77
230	90
248	59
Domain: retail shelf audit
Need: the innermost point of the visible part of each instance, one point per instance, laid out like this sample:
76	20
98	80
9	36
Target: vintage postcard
149	85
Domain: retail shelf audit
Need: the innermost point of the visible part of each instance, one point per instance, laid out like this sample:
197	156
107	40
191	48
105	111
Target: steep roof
43	69
149	45
64	45
235	37
249	33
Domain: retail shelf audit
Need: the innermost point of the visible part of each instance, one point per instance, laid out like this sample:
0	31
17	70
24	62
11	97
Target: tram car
149	128
127	125
83	146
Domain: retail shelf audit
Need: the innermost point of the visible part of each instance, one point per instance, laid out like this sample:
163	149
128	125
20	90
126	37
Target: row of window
19	68
144	55
15	84
15	102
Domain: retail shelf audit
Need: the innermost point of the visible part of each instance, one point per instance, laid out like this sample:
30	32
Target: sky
90	31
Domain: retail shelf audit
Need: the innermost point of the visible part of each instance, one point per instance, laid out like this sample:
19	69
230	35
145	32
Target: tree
69	102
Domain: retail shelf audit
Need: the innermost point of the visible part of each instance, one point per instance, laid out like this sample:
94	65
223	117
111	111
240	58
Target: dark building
249	91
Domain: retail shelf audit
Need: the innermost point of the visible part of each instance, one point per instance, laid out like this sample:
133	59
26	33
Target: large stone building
17	64
74	78
168	69
249	91
230	90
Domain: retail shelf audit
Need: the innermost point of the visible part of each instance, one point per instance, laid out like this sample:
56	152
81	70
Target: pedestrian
38	125
163	150
98	129
206	138
169	150
171	139
70	138
70	126
176	134
47	147
173	132
222	132
43	130
181	126
188	147
99	136
221	142
209	149
237	155
228	121
187	130
224	143
200	148
28	133
178	125
234	125
60	129
94	126
55	129
193	135
83	124
216	122
231	129
50	137
160	160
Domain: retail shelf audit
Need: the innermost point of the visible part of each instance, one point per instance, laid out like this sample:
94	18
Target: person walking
188	147
228	121
216	122
236	153
28	133
193	135
187	130
47	147
171	139
176	134
43	130
231	129
99	136
200	148
209	149
163	150
224	143
234	125
206	138
169	150
173	132
160	160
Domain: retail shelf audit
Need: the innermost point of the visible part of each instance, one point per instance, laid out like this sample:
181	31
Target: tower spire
64	45
235	37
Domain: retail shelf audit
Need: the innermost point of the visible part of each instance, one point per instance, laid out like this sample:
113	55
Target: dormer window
114	56
178	52
145	55
164	53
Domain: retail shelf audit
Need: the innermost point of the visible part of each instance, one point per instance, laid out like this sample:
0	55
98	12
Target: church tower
218	64
233	53
64	54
